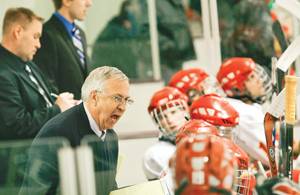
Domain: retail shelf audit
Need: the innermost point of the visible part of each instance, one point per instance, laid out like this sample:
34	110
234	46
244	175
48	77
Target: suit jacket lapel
61	28
19	67
27	80
41	81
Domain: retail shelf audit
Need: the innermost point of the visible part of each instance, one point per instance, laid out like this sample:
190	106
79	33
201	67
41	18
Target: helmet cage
224	131
266	83
209	85
194	128
245	181
244	177
244	94
171	116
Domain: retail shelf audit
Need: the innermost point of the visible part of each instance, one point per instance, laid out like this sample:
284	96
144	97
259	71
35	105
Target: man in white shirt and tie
105	95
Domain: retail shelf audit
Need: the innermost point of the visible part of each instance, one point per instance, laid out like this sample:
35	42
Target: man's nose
168	119
38	45
122	106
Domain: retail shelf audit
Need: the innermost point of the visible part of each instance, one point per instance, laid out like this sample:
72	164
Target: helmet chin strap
219	191
170	137
183	184
248	98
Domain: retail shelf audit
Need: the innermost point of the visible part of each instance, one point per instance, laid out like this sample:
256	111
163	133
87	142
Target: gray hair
96	80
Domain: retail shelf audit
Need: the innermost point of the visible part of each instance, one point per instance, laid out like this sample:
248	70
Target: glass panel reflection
28	168
105	154
246	30
121	43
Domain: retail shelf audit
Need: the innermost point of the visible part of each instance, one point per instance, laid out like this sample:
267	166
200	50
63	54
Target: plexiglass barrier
109	167
29	168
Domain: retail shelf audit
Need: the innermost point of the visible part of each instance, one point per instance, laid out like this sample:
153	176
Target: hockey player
195	127
248	86
217	111
203	165
169	110
195	82
243	79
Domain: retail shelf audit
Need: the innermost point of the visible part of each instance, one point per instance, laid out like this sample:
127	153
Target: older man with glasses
105	95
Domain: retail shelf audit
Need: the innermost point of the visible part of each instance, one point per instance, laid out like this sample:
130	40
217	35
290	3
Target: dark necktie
78	44
40	89
102	136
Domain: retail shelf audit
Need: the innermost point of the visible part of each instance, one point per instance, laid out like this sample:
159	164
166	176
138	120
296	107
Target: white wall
98	15
42	8
5	4
136	117
131	170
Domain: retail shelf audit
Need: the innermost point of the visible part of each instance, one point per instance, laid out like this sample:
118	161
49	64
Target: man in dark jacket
25	98
26	103
105	94
63	55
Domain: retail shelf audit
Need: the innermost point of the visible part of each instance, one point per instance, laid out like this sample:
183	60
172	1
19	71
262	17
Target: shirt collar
68	25
94	125
12	55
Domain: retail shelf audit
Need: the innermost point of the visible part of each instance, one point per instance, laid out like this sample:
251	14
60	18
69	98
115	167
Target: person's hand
65	101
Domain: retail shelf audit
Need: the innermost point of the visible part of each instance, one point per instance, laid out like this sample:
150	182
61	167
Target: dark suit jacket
59	60
73	125
23	110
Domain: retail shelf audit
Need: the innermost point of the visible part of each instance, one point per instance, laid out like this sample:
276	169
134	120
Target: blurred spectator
124	25
252	35
120	37
245	30
175	42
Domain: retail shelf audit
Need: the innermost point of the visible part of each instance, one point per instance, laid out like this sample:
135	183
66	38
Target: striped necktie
38	85
79	46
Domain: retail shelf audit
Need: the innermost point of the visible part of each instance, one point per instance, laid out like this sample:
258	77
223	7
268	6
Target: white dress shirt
93	124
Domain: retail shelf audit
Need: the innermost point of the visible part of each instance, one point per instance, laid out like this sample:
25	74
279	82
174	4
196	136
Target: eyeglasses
119	99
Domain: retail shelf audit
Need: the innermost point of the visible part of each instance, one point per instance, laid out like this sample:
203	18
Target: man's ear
67	3
94	97
17	30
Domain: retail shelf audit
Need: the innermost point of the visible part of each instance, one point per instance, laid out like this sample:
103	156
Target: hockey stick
276	108
287	58
278	82
269	122
290	113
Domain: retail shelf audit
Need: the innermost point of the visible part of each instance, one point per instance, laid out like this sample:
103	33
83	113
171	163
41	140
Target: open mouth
115	117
